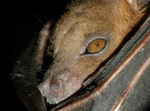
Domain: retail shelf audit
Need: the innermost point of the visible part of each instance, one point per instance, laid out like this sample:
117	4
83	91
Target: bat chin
52	100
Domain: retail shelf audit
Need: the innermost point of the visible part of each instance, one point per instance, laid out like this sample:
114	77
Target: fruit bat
93	61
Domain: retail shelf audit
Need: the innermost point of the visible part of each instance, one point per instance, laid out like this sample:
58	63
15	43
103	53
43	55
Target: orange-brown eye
96	46
50	50
51	47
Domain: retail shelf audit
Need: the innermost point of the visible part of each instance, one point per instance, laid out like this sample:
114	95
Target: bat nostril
57	91
55	88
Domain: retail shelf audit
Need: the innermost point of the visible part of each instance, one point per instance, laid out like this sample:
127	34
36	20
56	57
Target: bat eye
96	46
51	47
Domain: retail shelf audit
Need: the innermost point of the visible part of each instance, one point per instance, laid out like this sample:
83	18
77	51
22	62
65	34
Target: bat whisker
32	93
38	18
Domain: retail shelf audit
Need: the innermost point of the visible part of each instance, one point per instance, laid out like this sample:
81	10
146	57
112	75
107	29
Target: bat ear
42	43
141	5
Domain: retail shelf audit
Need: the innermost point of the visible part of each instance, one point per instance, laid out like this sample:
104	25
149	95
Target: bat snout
60	87
50	90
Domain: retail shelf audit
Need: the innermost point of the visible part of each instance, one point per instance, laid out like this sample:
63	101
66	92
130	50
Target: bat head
83	40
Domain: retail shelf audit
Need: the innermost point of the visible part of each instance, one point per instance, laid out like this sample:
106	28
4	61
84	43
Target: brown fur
84	21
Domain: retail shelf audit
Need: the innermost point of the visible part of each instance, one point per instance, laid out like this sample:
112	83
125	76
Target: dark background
20	24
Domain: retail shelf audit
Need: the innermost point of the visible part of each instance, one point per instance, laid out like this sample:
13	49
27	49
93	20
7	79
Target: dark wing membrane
25	81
